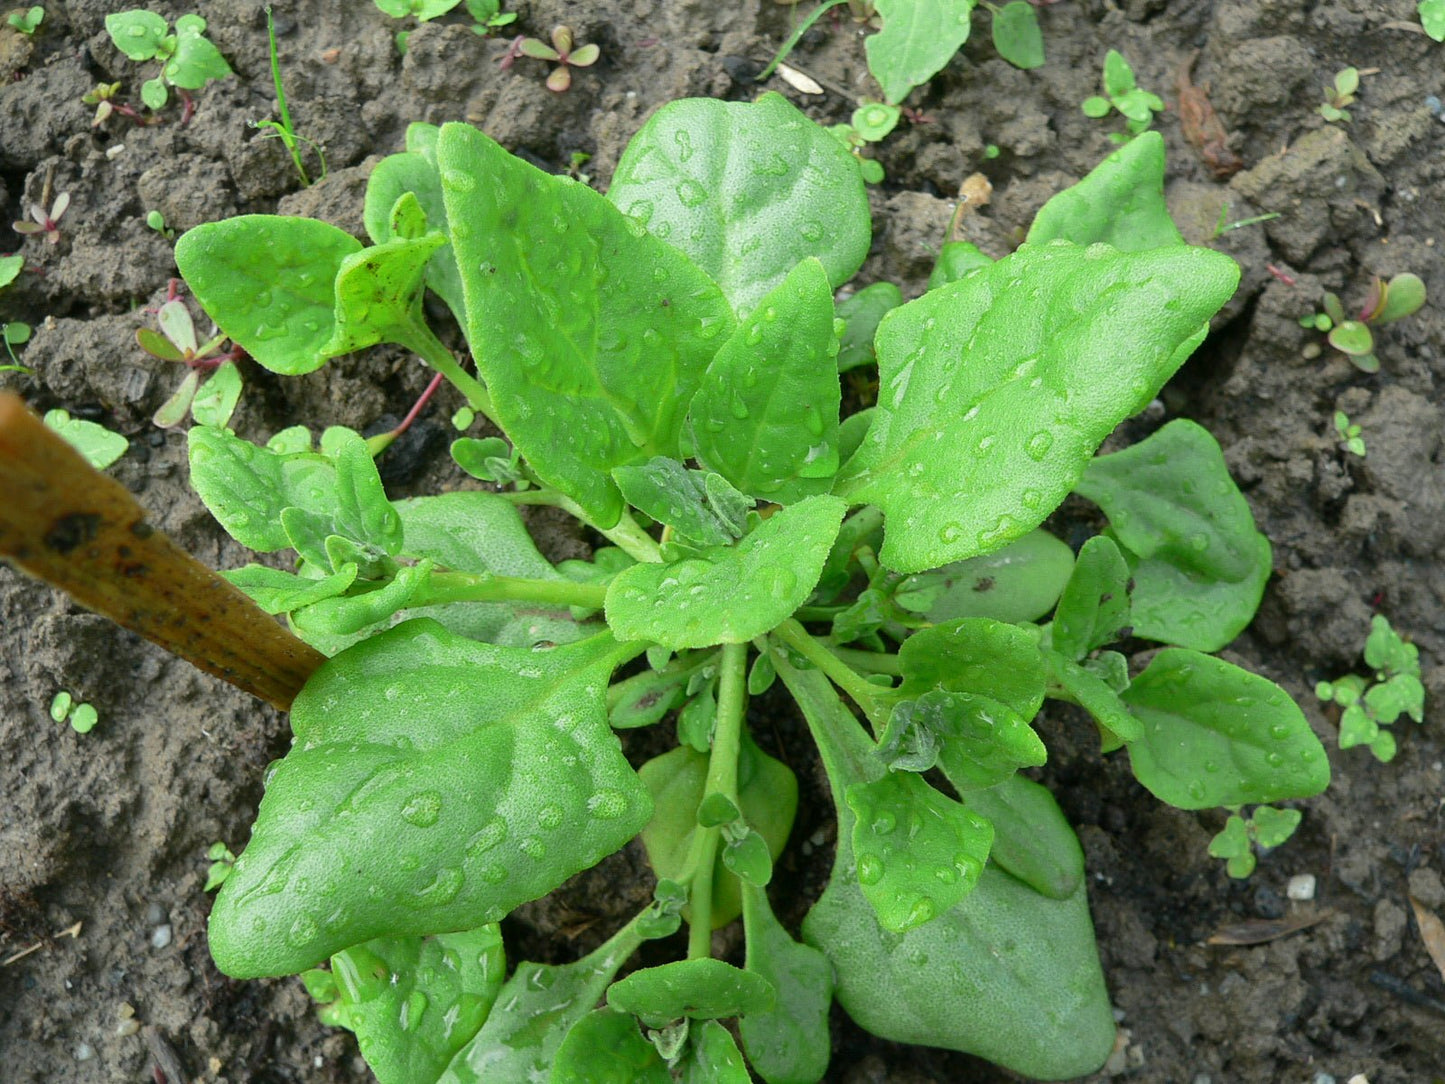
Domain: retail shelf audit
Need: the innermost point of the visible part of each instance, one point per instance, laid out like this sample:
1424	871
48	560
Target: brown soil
110	828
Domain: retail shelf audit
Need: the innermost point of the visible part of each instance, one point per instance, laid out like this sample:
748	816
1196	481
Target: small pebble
1301	887
1323	1078
1434	104
161	936
155	914
83	1052
1202	1078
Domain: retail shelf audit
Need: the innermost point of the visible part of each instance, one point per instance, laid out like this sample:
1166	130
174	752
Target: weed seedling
223	861
96	443
1349	434
1396	299
1267	827
1370	705
46	222
488	16
871	122
65	708
13	334
212	386
1137	106
563	52
26	20
157	221
10	268
103	97
1339	94
1432	18
283	129
188	59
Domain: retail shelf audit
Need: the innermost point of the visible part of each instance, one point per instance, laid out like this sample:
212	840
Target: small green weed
1339	94
26	20
1396	299
1432	18
188	59
65	708
1121	92
212	387
96	443
223	861
1368	705
1350	434
564	52
1267	827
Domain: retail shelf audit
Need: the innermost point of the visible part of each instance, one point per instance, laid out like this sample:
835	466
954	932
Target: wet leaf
605	1047
1019	582
861	313
699	989
916	42
1094	607
1016	35
790	1043
1120	202
1032	840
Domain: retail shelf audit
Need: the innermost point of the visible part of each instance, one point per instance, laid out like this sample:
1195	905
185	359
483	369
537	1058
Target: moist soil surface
110	829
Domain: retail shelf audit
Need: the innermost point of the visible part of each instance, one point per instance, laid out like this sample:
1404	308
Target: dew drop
1039	444
884	822
870	869
459	179
550	816
691	194
607	804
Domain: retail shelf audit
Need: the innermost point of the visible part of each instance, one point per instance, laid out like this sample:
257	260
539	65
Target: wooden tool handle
79	530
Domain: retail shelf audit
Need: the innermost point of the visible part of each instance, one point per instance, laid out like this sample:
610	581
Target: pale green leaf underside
791	1042
766	415
591	333
919	37
996	390
732	594
747	189
1215	734
435	783
266	280
1121	202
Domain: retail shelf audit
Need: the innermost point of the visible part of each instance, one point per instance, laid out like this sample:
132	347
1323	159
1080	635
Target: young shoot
1121	93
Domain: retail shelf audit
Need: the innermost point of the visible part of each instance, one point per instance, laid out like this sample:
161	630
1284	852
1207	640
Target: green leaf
1404	297
423	795
1097	697
1016	35
747	858
379	293
1020	582
414	1002
1118	76
714	1057
341	615
420	9
728	594
1232	841
266	281
136	33
748	190
1386	650
196	61
916	42
153	93
1032	839
246	488
955	260
979	656
790	1043
1353	338
1094	607
677	781
97	444
1273	826
534	1012
1096	107
1121	202
980	741
700	989
1202	562
668	492
1215	734
766	415
10	267
415	173
996	390
861	313
605	1047
918	852
1432	17
591	334
216	401
279	592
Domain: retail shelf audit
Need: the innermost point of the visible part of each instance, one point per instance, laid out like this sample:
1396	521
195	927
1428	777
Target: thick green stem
874	662
844	676
431	351
848	755
470	587
722	778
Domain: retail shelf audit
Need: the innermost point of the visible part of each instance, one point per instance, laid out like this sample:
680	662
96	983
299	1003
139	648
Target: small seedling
1396	299
65	708
10	268
216	402
1349	434
157	221
871	123
1120	92
488	16
1432	18
1266	828
283	129
46	222
26	20
564	52
13	334
1339	94
187	57
96	443
103	97
575	161
223	860
1370	706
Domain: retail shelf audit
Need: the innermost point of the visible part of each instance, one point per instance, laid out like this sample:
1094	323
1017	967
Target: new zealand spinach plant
663	363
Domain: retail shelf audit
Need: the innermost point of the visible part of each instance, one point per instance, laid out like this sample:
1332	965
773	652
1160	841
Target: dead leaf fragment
799	81
1260	931
1432	932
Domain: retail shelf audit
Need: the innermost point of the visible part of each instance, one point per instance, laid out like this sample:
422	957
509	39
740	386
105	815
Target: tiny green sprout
103	97
222	862
564	52
82	717
488	16
1339	94
96	443
26	20
45	222
575	161
1349	433
212	404
1267	827
855	141
1432	18
421	10
1121	93
1370	706
874	120
14	334
157	221
991	151
283	129
188	59
463	418
1396	299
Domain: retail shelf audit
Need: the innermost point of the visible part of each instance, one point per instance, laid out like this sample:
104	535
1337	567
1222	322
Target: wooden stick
79	530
